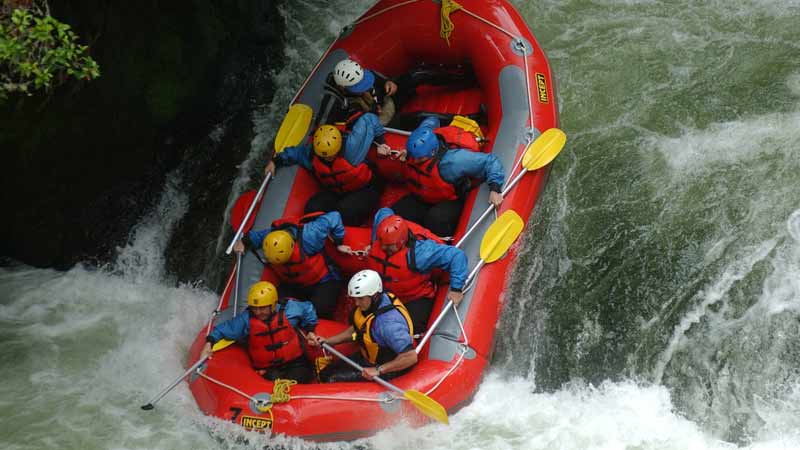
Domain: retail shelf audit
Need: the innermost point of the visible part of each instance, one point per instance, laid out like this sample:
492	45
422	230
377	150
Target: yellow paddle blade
294	127
427	405
544	149
500	235
222	343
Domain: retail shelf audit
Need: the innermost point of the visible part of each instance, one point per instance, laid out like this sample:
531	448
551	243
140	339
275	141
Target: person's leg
388	110
411	208
442	218
322	201
325	296
390	375
298	369
357	206
339	371
420	312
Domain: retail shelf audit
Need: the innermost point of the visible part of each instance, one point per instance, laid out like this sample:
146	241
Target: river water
656	306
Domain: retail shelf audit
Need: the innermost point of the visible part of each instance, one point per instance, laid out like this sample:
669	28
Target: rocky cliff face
179	82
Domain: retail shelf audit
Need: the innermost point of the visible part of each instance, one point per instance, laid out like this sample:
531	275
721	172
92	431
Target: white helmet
365	284
347	73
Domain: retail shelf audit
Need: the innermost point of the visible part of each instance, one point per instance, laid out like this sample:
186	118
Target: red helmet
393	230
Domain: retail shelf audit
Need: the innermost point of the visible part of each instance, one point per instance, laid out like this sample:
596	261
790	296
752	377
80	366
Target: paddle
422	402
497	240
538	154
292	131
218	346
396	131
236	286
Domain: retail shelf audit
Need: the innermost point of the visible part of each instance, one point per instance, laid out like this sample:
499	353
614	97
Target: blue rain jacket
299	314
356	144
460	163
314	235
432	255
390	329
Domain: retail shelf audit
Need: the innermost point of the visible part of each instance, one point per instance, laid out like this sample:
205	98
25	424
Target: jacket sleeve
316	231
256	238
430	255
299	154
457	164
234	329
379	216
301	315
366	129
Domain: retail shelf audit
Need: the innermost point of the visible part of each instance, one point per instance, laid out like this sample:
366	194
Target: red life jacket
457	137
339	175
425	182
274	341
421	232
300	268
400	276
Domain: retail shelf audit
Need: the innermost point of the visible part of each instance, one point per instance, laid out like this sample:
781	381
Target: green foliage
37	52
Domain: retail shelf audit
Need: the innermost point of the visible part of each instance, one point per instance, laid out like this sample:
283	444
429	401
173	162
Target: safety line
384	10
227	386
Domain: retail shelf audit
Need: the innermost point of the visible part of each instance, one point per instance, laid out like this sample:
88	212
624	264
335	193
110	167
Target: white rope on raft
464	348
227	386
384	10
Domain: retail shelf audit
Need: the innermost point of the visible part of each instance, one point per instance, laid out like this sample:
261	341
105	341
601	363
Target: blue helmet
422	143
364	84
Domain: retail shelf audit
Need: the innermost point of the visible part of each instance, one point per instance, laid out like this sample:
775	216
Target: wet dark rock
82	164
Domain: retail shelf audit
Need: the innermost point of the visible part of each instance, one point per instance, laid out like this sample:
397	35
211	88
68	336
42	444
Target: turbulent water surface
658	306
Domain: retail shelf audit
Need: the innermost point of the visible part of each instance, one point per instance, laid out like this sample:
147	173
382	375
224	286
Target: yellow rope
280	392
447	27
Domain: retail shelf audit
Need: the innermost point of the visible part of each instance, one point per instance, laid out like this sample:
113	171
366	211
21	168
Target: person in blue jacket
404	254
439	179
381	326
347	181
273	330
293	247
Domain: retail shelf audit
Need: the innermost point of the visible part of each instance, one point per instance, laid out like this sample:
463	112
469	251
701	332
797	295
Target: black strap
412	252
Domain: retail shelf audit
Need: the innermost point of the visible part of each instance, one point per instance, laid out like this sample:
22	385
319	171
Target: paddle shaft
249	212
396	131
164	392
356	366
490	208
446	308
236	284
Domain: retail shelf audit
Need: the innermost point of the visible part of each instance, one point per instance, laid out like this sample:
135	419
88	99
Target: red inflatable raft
513	98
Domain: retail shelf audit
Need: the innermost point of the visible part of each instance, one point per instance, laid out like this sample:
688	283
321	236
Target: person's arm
366	129
301	315
395	335
344	336
234	329
402	361
299	154
254	238
457	164
316	231
430	255
379	216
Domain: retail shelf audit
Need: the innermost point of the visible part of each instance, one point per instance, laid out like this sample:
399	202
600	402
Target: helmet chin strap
374	301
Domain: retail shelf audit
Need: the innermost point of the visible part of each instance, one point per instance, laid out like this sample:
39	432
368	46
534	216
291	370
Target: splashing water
657	300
